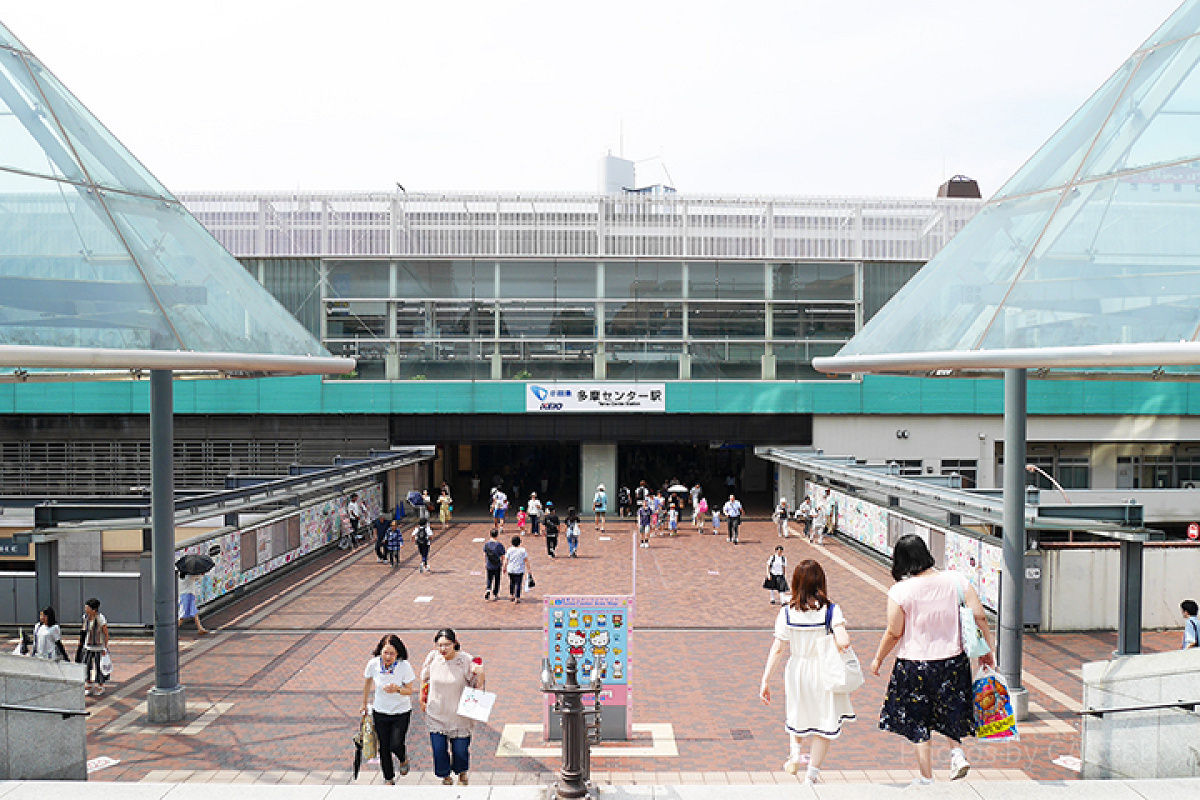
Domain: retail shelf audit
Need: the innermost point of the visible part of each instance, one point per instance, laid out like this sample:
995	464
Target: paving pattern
273	694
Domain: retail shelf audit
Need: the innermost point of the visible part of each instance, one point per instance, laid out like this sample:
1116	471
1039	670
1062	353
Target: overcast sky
802	97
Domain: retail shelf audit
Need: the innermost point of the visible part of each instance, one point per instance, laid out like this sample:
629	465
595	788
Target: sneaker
448	781
921	781
462	778
959	766
390	782
812	775
487	595
402	768
792	765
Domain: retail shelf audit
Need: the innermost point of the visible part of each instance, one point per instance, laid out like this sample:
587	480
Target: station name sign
563	398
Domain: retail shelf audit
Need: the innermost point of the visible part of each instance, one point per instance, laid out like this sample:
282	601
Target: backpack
421	535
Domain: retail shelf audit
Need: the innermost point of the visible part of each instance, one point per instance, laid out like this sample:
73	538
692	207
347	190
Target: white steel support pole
1012	577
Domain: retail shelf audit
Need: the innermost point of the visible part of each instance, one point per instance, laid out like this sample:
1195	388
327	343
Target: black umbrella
194	564
357	754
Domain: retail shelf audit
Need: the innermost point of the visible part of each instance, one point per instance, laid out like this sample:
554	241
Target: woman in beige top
448	669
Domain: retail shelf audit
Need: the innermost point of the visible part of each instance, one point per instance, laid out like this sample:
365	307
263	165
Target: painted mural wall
250	553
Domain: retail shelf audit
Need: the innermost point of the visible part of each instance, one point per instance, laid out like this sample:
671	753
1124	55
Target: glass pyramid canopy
1088	259
95	253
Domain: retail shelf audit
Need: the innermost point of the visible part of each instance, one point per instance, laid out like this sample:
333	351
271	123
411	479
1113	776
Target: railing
66	712
1185	705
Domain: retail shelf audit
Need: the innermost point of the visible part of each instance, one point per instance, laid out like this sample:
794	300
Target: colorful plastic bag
994	718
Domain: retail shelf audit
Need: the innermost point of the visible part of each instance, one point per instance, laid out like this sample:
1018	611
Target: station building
554	342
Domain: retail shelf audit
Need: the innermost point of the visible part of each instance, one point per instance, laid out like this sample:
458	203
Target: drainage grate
740	734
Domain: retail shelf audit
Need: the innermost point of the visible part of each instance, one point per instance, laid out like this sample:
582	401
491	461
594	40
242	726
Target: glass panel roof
1095	241
96	253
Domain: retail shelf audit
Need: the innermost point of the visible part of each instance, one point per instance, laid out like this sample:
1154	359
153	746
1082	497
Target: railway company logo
543	394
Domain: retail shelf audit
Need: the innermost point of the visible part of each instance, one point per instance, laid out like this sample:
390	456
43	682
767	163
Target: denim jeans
573	543
450	755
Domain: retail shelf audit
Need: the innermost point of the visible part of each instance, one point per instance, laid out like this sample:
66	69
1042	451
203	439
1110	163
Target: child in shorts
521	518
673	519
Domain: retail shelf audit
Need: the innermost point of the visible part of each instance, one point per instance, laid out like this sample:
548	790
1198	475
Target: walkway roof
102	268
1087	262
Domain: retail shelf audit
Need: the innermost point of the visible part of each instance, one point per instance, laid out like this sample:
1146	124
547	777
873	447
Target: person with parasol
191	568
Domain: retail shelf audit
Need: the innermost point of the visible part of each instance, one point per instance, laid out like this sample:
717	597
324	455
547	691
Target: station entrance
548	454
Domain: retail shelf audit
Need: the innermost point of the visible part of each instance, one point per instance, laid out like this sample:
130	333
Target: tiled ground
273	695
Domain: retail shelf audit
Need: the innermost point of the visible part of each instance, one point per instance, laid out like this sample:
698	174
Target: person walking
387	696
550	525
600	507
534	509
816	534
394	542
448	669
804	515
189	591
645	523
1191	626
516	561
47	637
573	531
733	517
493	562
382	525
356	513
777	574
522	518
445	503
781	516
700	514
930	687
93	647
423	537
499	509
672	519
625	501
812	712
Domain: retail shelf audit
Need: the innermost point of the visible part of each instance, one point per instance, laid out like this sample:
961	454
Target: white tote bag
841	672
476	703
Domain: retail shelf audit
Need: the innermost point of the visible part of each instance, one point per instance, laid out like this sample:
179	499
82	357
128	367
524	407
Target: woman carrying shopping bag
930	688
387	697
448	669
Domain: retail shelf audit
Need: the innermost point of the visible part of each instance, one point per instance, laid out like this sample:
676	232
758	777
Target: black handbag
769	582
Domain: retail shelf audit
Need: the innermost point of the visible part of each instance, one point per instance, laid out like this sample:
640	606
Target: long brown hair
808	586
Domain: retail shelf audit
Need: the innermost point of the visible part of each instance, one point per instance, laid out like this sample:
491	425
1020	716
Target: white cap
600	488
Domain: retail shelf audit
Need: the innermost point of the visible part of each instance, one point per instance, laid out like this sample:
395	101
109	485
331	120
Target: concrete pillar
45	567
165	702
1129	620
597	465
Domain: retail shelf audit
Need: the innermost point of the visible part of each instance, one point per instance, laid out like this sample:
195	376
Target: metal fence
515	225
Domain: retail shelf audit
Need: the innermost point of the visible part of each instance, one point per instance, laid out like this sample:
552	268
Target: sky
767	97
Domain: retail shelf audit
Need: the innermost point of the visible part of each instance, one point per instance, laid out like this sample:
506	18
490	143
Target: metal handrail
1186	705
66	712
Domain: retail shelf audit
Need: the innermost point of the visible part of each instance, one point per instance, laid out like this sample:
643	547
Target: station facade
679	330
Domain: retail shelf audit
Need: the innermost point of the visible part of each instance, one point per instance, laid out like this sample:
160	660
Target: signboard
596	630
8	547
564	398
1194	531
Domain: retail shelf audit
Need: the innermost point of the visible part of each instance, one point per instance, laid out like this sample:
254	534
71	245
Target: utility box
1032	616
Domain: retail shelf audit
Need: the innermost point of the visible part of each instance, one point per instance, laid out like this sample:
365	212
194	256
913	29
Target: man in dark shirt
381	531
493	553
550	523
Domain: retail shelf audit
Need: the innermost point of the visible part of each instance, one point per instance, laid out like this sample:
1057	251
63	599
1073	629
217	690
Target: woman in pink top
930	687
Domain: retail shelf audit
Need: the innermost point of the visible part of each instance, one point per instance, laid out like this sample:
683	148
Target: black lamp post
577	734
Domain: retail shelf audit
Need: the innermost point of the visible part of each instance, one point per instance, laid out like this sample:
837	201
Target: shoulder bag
841	672
974	645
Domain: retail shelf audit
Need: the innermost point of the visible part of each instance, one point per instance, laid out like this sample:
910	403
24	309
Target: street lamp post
577	734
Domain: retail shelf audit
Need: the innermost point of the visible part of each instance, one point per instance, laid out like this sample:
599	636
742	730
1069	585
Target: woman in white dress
812	712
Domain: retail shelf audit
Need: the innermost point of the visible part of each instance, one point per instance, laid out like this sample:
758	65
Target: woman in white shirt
777	574
387	693
47	637
515	561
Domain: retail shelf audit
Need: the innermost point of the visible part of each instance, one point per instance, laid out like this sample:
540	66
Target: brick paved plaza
274	692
